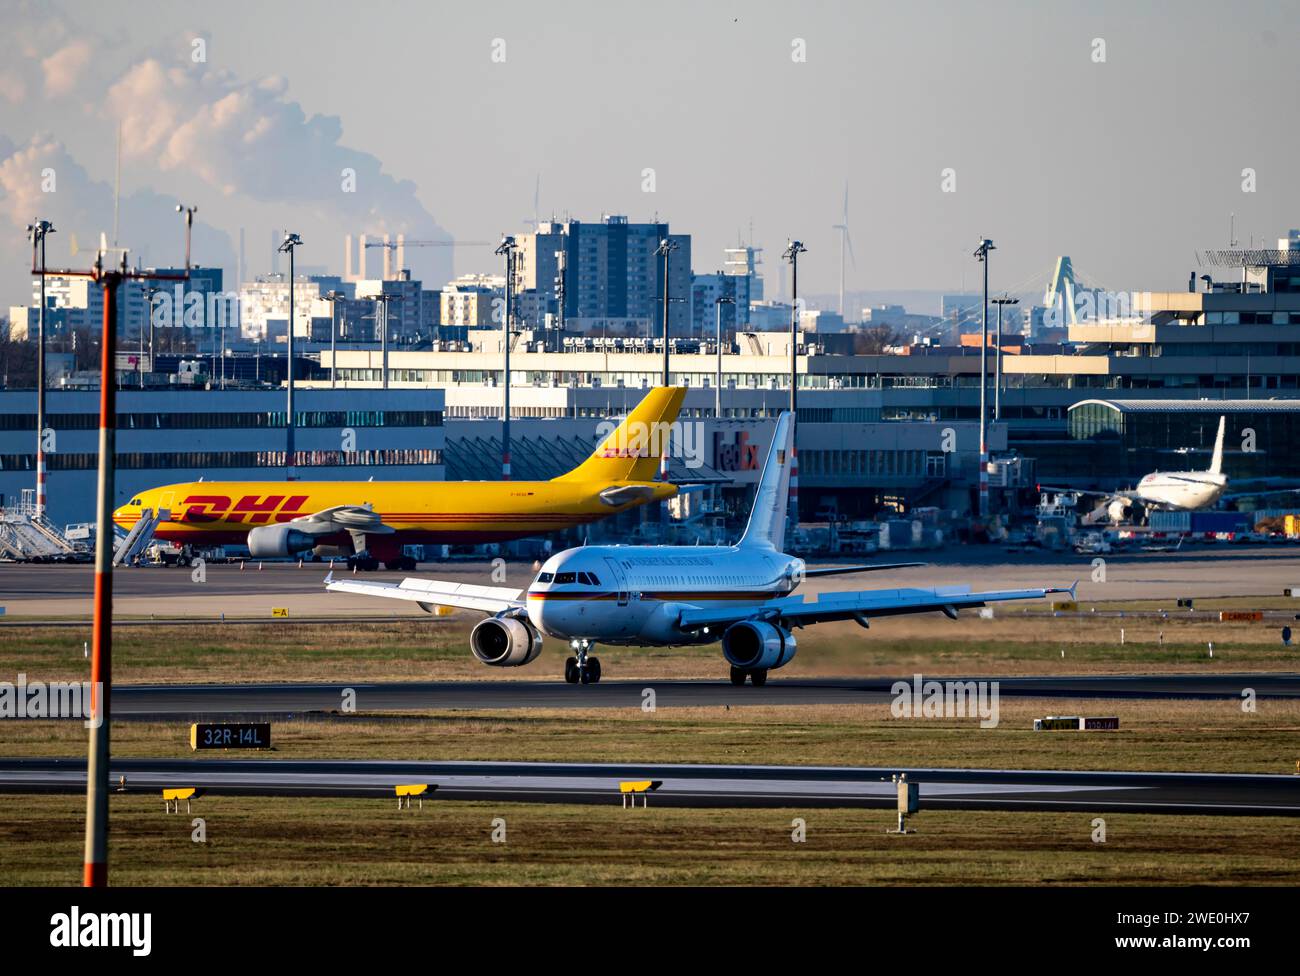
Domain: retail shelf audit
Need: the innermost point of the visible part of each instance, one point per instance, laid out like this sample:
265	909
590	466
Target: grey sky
1129	165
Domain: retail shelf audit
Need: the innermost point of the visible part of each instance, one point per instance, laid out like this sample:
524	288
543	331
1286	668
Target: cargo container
1170	521
1221	521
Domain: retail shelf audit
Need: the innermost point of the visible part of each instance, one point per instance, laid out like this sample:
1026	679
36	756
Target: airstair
141	534
26	536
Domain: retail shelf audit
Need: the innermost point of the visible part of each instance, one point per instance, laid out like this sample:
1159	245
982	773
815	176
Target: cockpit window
136	501
561	578
545	577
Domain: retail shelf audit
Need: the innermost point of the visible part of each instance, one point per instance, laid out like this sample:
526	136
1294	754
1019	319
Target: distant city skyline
1103	133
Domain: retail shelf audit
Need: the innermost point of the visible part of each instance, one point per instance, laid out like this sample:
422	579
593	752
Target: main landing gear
583	669
758	676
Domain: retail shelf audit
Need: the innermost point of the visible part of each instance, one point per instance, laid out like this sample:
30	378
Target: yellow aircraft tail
632	450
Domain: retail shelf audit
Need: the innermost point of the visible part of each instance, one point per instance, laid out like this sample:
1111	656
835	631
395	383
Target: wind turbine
846	244
537	205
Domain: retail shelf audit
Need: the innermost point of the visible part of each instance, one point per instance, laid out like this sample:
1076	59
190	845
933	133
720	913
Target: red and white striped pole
40	394
40	477
95	874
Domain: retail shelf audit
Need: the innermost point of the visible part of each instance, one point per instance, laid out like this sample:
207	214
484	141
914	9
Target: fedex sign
738	454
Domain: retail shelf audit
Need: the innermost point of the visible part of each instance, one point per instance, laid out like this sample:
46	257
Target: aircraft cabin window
545	577
566	578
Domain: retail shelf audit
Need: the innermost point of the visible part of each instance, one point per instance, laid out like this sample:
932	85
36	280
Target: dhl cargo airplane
740	595
285	518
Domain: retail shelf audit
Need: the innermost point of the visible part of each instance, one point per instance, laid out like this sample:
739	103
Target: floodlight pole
997	357
506	249
981	254
665	250
717	393
291	241
333	297
382	301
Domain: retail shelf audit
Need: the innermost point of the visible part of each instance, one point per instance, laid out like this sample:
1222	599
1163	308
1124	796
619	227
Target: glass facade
162	460
259	420
1128	443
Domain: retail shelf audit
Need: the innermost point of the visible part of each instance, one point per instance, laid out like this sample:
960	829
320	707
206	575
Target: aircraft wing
431	593
859	605
810	572
1254	494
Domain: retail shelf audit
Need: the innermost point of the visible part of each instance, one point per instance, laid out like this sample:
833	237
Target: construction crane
398	247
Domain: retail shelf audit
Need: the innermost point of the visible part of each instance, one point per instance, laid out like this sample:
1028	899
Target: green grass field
256	841
343	841
436	649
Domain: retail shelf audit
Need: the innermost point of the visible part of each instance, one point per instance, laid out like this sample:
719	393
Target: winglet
1074	586
329	578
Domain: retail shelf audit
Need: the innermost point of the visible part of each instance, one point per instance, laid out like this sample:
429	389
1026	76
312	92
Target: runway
683	785
53	591
271	700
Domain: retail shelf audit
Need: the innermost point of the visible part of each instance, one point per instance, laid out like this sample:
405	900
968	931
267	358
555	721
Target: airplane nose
544	616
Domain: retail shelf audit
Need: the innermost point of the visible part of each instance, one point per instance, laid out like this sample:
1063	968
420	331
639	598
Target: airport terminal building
1134	437
176	435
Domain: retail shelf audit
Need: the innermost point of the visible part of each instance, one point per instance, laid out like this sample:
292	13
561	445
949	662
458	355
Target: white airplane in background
1186	490
676	595
1179	491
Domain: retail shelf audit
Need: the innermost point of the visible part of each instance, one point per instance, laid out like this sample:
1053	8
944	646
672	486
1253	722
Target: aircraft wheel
758	677
738	675
571	670
593	669
584	675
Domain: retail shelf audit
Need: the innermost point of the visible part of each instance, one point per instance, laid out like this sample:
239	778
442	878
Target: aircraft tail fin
631	452
1216	462
766	526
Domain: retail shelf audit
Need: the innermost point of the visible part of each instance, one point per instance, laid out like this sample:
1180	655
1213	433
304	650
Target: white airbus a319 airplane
675	595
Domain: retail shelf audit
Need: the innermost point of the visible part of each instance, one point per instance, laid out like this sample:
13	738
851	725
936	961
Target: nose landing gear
583	669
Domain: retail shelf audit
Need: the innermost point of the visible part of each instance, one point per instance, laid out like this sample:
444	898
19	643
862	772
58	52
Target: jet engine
754	645
278	541
505	642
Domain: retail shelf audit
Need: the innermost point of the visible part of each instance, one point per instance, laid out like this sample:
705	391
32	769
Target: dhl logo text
215	508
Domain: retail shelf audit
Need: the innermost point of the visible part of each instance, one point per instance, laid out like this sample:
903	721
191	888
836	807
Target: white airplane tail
1216	462
766	526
